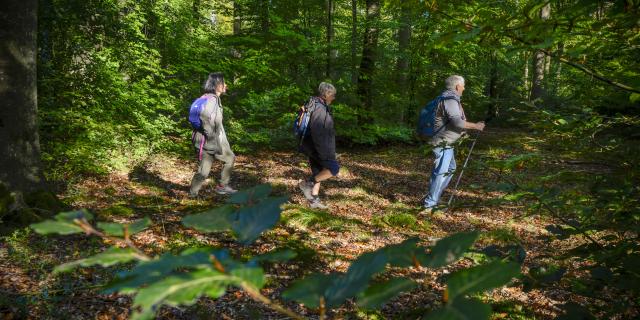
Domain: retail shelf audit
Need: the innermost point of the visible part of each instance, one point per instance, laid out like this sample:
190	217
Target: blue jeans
443	169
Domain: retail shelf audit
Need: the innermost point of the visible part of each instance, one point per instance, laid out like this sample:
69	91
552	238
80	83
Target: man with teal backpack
442	122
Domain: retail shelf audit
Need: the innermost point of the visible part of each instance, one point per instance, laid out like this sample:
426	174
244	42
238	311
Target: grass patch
117	211
306	218
400	220
501	235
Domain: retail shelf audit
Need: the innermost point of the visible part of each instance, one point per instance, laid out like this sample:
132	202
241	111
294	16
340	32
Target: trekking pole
455	187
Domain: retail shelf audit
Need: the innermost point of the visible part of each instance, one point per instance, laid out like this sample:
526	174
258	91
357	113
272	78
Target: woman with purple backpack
209	138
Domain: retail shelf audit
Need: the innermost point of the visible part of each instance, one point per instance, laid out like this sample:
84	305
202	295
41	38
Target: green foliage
64	223
107	258
118	229
376	295
179	280
259	214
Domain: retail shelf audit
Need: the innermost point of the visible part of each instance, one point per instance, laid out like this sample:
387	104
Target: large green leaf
117	229
58	227
63	223
214	220
448	250
180	289
402	254
357	277
461	309
377	294
108	258
253	220
280	255
251	195
480	278
310	289
151	271
253	276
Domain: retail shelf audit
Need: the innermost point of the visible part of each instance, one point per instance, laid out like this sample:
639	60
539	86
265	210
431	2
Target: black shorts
318	165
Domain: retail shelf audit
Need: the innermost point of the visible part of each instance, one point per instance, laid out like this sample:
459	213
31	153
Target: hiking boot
316	204
307	188
220	189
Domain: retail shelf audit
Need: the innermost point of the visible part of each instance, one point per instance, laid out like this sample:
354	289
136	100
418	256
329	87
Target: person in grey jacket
212	142
451	124
320	145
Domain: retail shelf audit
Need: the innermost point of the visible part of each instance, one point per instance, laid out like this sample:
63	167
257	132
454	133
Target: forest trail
374	202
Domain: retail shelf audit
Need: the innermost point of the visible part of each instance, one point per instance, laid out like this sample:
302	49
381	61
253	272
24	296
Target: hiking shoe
220	189
306	187
316	204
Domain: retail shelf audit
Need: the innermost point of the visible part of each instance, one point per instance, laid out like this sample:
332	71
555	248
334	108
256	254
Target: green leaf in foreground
117	229
254	194
179	289
379	293
481	278
448	250
108	258
310	289
281	255
461	309
58	227
214	220
253	220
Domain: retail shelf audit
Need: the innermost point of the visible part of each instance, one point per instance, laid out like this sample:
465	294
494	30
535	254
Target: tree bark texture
369	48
404	37
237	20
331	51
354	41
20	166
539	59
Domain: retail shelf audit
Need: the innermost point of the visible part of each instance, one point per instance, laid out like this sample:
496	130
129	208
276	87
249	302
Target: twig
256	295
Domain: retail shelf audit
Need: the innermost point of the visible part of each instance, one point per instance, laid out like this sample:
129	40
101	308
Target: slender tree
369	48
331	51
237	19
20	166
404	36
539	60
354	41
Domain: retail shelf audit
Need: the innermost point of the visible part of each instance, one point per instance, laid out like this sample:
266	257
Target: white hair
453	81
326	89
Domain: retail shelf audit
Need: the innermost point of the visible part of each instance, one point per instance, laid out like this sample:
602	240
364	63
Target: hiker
320	145
450	124
209	137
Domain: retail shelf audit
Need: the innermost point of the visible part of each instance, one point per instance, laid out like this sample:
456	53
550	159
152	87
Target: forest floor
374	202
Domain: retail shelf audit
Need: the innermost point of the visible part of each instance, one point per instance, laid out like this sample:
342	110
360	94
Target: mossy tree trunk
20	166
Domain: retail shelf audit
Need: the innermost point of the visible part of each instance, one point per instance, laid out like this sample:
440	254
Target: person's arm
321	125
474	125
208	116
452	110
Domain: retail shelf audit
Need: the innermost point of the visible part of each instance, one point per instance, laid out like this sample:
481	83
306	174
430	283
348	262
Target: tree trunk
404	36
369	47
237	20
20	166
526	75
492	87
402	67
331	51
264	15
537	89
354	41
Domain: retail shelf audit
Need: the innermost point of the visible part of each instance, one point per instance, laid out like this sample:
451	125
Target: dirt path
373	203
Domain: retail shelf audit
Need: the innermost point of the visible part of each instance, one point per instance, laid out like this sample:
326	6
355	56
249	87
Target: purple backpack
196	109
